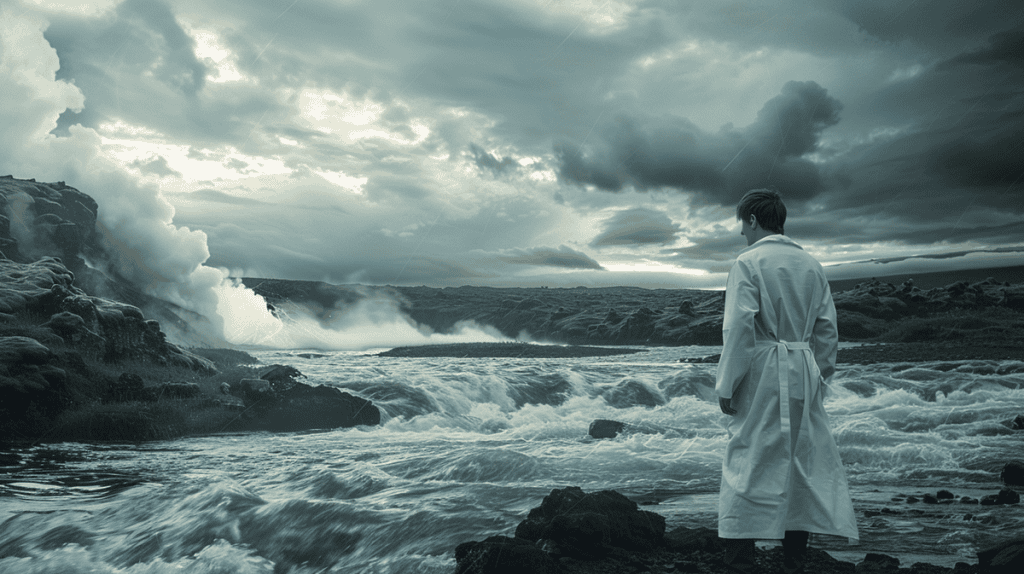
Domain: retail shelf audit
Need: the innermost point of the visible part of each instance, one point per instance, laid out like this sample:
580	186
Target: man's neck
760	233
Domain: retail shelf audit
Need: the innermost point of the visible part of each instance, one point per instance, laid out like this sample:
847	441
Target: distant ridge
939	278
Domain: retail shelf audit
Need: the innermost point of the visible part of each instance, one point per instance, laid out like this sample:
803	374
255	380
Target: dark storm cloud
936	25
137	64
959	169
532	74
715	248
488	161
142	37
993	160
672	152
177	65
637	227
563	257
1004	47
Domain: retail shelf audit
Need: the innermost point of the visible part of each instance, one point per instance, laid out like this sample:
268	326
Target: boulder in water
305	407
1013	473
604	428
1005	496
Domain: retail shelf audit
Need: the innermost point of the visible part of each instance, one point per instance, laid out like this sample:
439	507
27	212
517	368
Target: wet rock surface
279	401
573	532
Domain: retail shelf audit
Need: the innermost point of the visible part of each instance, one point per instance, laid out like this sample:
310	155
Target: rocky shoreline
574	532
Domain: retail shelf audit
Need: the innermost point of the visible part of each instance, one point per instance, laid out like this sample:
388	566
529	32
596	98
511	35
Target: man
782	477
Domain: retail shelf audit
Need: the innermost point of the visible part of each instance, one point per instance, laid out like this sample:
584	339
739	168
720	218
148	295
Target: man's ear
753	221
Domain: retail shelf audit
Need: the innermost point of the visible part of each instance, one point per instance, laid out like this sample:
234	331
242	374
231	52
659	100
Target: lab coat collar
774	238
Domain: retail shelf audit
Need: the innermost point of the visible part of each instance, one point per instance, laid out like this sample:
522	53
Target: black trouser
739	552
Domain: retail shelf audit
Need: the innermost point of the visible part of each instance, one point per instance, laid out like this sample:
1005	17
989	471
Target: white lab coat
780	344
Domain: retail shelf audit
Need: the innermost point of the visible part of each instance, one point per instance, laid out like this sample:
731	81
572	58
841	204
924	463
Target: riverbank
574	532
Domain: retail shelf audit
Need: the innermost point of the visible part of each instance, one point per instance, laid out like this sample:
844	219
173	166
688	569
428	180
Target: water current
468	446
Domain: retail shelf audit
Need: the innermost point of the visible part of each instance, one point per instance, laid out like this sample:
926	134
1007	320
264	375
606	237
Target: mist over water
467	446
373	322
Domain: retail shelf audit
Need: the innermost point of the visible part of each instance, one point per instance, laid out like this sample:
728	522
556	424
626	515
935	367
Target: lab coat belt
782	352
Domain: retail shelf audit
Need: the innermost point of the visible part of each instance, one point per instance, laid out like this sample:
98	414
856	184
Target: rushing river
468	446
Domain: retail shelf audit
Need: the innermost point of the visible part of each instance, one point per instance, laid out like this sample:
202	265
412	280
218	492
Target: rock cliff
78	366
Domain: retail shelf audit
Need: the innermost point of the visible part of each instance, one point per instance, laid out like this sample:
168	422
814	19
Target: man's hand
726	406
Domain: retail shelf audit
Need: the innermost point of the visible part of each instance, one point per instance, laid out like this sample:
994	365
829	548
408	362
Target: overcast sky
520	142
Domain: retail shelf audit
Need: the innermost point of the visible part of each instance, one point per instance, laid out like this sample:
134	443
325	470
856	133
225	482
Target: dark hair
766	205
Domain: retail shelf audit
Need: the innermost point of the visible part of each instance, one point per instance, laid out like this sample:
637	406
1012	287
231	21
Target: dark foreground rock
573	532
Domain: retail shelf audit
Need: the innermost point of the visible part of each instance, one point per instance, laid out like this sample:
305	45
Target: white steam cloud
373	322
136	221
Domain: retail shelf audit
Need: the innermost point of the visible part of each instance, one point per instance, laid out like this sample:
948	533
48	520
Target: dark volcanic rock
29	378
878	564
1005	496
602	428
503	555
282	377
579	523
51	219
572	533
175	391
1005	558
708	359
127	387
304	407
58	326
1013	473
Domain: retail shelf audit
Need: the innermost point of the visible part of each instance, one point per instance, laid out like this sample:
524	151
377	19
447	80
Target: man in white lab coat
782	477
